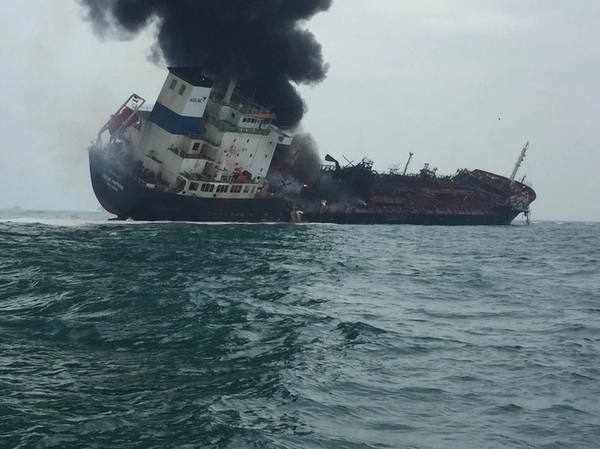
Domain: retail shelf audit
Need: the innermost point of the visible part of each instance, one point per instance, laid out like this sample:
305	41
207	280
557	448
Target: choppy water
312	336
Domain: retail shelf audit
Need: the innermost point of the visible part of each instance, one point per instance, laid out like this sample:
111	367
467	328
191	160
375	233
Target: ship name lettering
113	184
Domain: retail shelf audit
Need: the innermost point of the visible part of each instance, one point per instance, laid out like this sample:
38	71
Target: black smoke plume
300	160
260	43
296	173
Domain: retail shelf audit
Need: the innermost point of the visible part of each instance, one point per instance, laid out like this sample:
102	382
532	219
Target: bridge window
236	189
196	146
246	189
182	89
208	187
222	188
173	84
193	186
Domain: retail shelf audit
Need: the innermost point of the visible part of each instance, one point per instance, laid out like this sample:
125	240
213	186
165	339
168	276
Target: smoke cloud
260	43
296	173
300	160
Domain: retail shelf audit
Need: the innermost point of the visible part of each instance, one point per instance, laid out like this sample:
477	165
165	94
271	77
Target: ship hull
425	219
125	196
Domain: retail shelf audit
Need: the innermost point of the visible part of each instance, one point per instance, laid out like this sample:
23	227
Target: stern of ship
115	190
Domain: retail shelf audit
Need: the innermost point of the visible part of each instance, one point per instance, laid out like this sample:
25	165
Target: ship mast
519	162
410	156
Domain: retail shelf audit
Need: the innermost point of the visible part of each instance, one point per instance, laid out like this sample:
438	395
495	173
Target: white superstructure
202	141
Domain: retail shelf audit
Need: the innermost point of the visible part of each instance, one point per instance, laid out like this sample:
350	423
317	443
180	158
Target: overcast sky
461	83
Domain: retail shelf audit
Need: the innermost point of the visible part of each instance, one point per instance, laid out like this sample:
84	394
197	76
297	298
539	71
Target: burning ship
205	152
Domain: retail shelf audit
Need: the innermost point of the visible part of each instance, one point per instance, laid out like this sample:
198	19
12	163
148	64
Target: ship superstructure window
222	188
208	187
246	189
182	89
236	189
193	186
173	84
254	120
196	146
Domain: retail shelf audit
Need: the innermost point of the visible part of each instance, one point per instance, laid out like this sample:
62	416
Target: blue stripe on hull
173	122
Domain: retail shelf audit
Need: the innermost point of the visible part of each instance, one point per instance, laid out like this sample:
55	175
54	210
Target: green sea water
180	335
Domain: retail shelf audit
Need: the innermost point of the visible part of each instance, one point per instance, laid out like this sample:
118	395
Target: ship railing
224	180
227	127
194	156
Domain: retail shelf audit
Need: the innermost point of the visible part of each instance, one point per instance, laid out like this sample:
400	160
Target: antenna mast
519	161
410	156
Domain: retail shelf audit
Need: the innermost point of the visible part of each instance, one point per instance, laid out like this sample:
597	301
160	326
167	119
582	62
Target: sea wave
187	335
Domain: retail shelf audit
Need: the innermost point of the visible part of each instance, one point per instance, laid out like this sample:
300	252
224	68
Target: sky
462	84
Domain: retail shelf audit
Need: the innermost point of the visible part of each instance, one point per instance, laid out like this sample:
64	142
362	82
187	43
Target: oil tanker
205	152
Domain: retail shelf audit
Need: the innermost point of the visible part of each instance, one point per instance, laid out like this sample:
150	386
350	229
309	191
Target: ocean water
178	335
